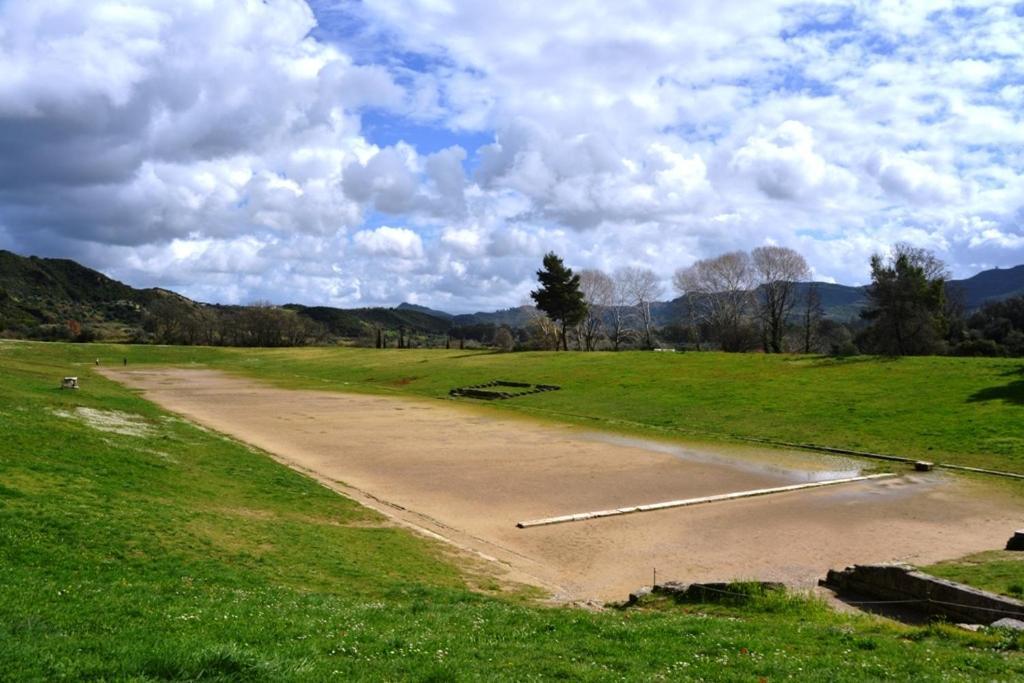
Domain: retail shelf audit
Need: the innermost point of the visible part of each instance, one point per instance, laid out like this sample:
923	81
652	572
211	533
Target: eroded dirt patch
113	421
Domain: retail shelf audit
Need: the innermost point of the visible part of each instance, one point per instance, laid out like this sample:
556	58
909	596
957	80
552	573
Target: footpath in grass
964	411
135	545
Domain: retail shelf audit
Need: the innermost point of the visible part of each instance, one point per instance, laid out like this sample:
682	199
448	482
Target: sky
431	151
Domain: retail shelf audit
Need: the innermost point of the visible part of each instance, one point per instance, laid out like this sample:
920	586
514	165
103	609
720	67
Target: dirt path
469	476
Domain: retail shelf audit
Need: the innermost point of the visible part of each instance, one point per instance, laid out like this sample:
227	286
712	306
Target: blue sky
367	153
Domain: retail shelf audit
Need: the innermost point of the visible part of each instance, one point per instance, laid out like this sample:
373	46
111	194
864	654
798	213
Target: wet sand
468	475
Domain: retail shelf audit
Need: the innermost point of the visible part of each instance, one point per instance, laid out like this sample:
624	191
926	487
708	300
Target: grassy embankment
1000	571
170	552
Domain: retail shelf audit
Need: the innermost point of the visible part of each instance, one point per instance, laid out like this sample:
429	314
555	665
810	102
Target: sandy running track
469	475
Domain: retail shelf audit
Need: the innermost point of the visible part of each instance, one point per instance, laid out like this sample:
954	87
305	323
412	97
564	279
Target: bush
85	335
844	349
978	347
50	332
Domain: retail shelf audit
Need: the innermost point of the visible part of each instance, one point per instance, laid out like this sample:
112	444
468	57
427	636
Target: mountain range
38	291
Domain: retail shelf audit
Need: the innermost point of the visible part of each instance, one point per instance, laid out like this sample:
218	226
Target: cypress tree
559	294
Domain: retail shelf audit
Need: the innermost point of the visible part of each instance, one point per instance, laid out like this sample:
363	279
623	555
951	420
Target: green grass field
176	553
959	410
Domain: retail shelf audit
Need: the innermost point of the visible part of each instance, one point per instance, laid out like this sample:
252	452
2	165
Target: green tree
906	298
559	295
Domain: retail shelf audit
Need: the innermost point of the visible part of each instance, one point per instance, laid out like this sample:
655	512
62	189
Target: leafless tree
543	332
813	313
720	292
777	270
503	339
686	283
934	268
620	315
641	288
598	291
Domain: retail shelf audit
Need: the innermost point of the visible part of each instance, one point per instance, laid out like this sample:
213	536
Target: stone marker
1007	622
1017	541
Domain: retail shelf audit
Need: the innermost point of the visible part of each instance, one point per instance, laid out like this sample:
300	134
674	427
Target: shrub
844	349
978	347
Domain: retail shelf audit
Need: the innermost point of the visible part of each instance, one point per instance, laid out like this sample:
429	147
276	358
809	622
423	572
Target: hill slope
37	292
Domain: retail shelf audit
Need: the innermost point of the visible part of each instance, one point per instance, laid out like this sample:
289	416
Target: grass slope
999	571
169	552
957	410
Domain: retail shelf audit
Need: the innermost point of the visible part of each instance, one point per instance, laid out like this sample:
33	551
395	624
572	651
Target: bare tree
777	269
641	288
686	283
543	332
719	290
503	339
620	316
813	313
598	291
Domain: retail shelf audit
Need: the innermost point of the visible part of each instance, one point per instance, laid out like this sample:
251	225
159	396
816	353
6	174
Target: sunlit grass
181	554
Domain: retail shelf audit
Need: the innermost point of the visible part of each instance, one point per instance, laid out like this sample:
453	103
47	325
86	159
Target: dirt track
469	475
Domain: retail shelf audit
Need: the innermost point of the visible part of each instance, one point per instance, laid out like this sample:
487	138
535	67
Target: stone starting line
687	502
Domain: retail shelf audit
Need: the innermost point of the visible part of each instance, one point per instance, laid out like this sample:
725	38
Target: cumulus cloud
132	124
243	149
396	180
585	180
399	243
785	165
918	182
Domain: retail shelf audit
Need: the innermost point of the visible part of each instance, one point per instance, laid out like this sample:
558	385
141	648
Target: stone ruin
501	389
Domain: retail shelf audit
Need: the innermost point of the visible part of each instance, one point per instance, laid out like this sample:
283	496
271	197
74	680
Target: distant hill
992	285
423	309
37	292
353	322
512	317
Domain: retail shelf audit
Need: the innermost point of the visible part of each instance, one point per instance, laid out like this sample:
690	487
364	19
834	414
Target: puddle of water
797	467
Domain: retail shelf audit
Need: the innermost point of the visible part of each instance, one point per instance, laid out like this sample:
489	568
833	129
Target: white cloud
902	176
386	241
785	165
173	142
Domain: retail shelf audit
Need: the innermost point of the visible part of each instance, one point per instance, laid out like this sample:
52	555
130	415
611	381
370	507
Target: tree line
763	300
736	302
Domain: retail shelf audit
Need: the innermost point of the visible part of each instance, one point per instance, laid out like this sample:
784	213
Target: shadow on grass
841	361
896	610
476	354
1009	393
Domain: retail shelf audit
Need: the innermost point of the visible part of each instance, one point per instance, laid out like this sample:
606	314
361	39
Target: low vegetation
135	545
999	571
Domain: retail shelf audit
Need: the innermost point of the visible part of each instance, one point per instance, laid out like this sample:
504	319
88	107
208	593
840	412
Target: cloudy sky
364	153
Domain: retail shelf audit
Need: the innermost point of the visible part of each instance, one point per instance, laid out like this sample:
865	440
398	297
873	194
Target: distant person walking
126	362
